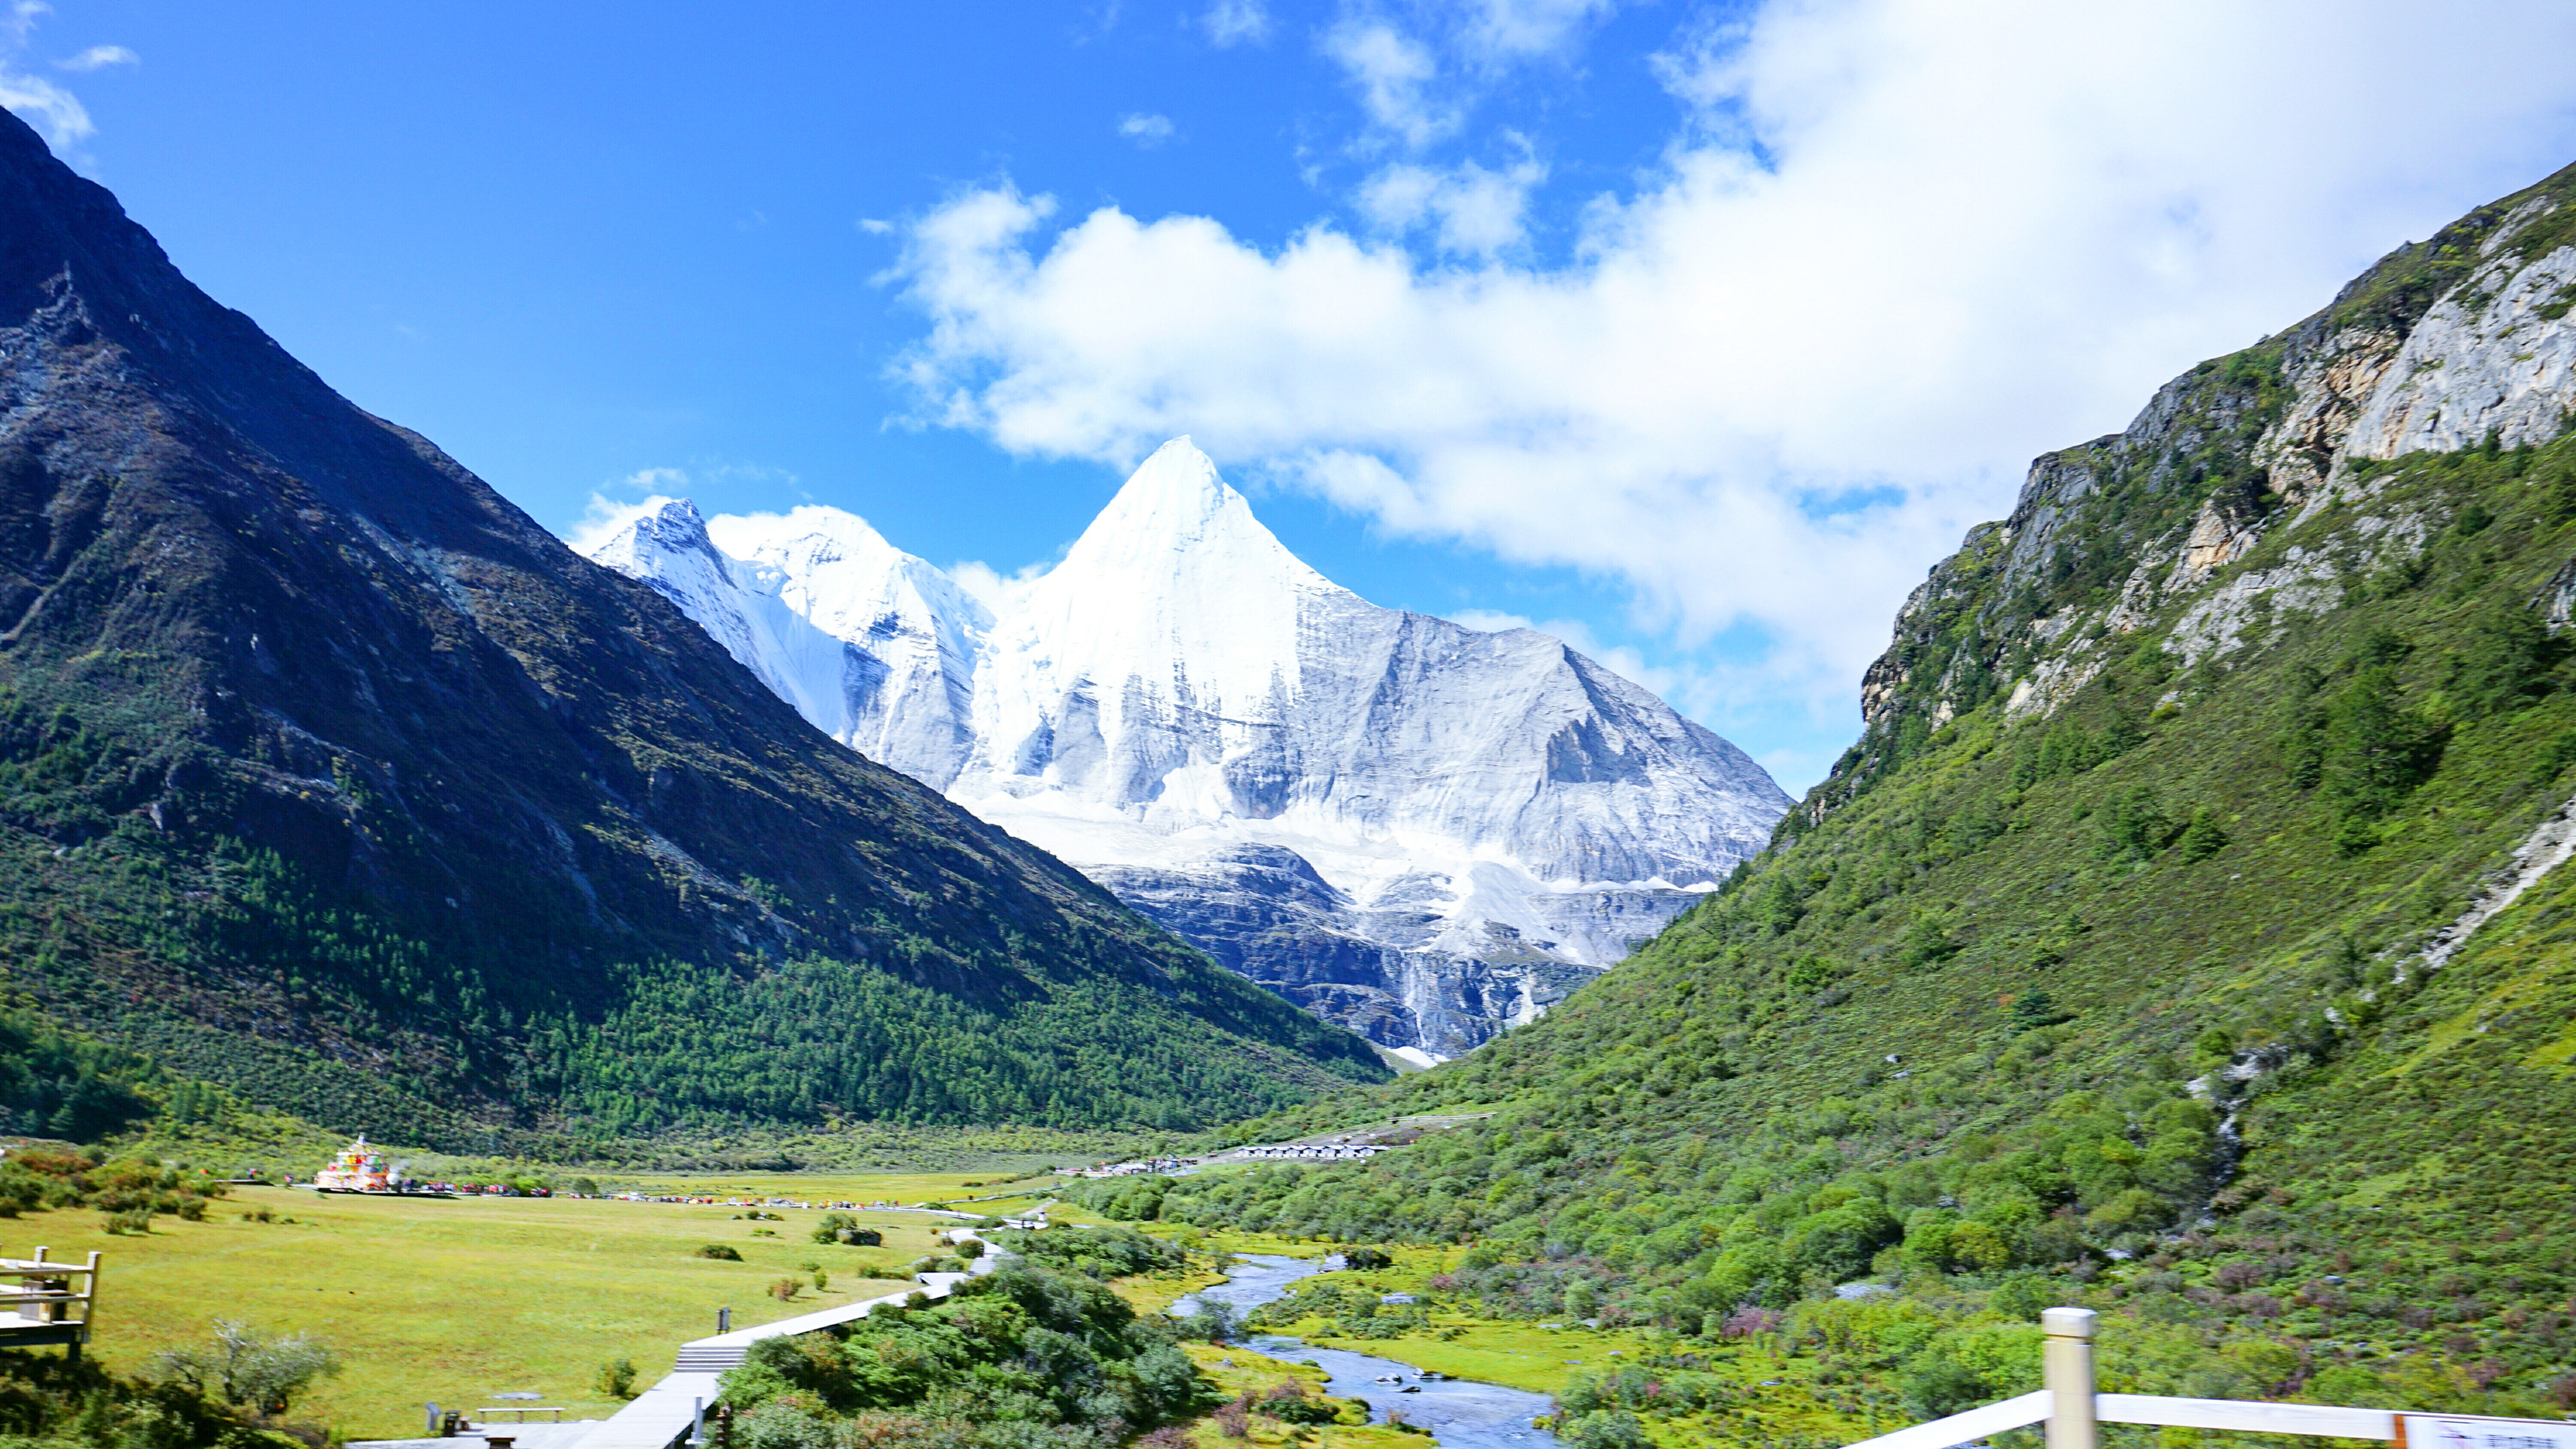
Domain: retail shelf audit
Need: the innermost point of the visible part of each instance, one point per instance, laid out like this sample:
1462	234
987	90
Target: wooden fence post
2066	1367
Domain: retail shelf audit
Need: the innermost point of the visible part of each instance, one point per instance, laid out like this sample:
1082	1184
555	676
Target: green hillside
2098	971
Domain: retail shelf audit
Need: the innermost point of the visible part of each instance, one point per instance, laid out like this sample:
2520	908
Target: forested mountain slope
2128	958
328	776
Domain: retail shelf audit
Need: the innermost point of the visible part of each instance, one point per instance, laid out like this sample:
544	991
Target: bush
844	1229
617	1378
1941	1387
1289	1403
1607	1429
2202	838
1109	1252
247	1370
1014	1350
1212	1323
720	1253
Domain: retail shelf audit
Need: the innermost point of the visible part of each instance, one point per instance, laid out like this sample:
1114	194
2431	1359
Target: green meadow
452	1302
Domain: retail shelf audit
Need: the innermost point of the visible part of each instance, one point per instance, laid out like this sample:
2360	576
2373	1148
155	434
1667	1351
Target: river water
1460	1414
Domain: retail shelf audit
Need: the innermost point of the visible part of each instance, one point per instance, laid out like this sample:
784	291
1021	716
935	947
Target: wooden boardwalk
662	1415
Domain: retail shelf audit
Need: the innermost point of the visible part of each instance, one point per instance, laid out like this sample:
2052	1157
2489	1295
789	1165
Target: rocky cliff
2461	342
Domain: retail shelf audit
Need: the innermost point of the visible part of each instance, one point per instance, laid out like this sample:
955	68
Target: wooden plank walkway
661	1415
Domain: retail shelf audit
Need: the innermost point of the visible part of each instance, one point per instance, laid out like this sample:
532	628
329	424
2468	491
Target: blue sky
1695	332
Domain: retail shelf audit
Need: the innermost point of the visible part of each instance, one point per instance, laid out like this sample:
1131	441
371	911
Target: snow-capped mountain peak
1176	510
1422	830
875	646
1170	628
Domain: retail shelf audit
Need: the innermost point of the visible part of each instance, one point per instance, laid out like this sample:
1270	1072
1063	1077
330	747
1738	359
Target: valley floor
451	1302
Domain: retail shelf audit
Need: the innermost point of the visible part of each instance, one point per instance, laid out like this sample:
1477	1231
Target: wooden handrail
2070	1408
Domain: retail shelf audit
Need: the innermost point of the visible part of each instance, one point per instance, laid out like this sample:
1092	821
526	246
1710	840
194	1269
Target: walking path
663	1413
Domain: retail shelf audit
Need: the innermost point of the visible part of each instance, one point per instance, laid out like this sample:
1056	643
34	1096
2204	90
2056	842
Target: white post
2066	1367
697	1423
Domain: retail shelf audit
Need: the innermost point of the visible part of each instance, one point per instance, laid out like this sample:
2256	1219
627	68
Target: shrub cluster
1025	1358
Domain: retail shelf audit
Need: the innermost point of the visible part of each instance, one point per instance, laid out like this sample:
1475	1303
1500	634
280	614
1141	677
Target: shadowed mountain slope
328	775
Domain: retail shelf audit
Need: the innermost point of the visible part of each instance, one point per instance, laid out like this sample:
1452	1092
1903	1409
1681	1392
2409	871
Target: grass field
455	1301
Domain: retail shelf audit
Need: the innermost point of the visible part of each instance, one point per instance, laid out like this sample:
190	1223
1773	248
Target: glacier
1422	830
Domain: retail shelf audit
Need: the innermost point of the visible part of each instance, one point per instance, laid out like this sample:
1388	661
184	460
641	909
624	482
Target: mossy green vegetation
2124	1004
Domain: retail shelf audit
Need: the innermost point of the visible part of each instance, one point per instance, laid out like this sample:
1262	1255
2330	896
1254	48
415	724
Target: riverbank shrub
1097	1252
1024	1358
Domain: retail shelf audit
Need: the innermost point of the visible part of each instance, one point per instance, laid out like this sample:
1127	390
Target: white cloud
1699	66
1394	75
1236	22
608	517
1772	385
100	57
991	587
47	106
1514	29
1145	130
1469	210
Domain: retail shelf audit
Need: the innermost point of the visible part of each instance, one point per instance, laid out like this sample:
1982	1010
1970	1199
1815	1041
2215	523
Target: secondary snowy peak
842	576
872	645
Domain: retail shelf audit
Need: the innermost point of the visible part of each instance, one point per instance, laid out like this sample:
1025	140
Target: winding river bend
1460	1413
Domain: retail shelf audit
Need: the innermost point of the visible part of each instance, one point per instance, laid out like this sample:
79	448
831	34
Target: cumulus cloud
1500	30
1395	77
1146	130
100	57
1895	248
1467	210
1236	22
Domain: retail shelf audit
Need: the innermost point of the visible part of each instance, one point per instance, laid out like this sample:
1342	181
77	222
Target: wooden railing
41	1289
2072	1412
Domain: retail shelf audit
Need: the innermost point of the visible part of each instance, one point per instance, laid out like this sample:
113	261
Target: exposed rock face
2494	358
2464	341
1422	830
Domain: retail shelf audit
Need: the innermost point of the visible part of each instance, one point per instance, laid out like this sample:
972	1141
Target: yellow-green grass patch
455	1301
